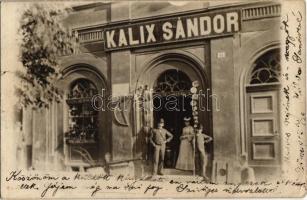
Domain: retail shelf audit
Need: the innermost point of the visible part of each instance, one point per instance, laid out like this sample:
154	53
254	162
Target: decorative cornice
90	35
263	11
95	33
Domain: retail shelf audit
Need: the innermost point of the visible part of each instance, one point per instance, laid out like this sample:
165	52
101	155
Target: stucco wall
222	74
224	61
121	129
256	38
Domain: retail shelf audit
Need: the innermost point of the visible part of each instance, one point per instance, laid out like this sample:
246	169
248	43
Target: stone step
172	171
178	178
177	175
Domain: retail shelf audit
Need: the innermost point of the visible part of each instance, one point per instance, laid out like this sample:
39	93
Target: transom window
172	82
266	69
82	88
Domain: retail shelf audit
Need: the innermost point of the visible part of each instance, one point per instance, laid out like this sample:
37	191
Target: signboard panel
168	30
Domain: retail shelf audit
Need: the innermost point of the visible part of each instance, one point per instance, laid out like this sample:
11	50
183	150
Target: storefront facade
232	51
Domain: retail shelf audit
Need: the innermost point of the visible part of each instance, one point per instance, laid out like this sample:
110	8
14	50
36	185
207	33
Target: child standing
201	140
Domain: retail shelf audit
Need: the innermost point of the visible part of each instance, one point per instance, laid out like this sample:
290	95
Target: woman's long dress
185	159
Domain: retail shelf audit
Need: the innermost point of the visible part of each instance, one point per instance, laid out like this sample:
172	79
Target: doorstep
177	175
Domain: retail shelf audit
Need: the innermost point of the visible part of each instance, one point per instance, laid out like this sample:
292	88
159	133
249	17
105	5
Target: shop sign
170	30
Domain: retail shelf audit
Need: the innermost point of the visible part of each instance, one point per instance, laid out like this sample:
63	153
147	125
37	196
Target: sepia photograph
153	99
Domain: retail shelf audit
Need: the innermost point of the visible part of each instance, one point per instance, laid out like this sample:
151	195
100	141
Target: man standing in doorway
158	138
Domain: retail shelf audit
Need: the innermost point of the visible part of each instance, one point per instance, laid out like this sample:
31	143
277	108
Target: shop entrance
172	102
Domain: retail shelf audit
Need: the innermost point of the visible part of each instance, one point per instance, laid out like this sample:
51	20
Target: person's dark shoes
160	173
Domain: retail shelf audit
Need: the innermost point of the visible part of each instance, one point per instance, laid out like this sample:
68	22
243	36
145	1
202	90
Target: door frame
243	84
272	87
190	64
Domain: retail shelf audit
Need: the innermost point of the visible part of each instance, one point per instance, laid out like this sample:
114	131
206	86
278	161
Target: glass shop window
83	119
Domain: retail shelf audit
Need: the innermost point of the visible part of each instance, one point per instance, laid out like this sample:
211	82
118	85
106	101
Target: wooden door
263	126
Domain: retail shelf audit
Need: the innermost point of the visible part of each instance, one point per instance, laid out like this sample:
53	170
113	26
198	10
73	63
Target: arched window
81	139
266	69
262	111
82	116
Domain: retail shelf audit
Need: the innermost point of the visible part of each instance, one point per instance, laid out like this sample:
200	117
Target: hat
187	118
195	84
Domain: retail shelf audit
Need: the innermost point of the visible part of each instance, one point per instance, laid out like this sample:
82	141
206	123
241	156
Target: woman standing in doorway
185	159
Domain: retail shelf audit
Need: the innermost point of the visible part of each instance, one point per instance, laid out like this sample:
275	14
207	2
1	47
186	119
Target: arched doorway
170	74
262	91
172	102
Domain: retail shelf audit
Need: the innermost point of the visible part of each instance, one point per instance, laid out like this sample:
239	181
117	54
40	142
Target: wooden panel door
263	129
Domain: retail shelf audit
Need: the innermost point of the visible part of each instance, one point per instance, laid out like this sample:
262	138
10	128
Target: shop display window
82	117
